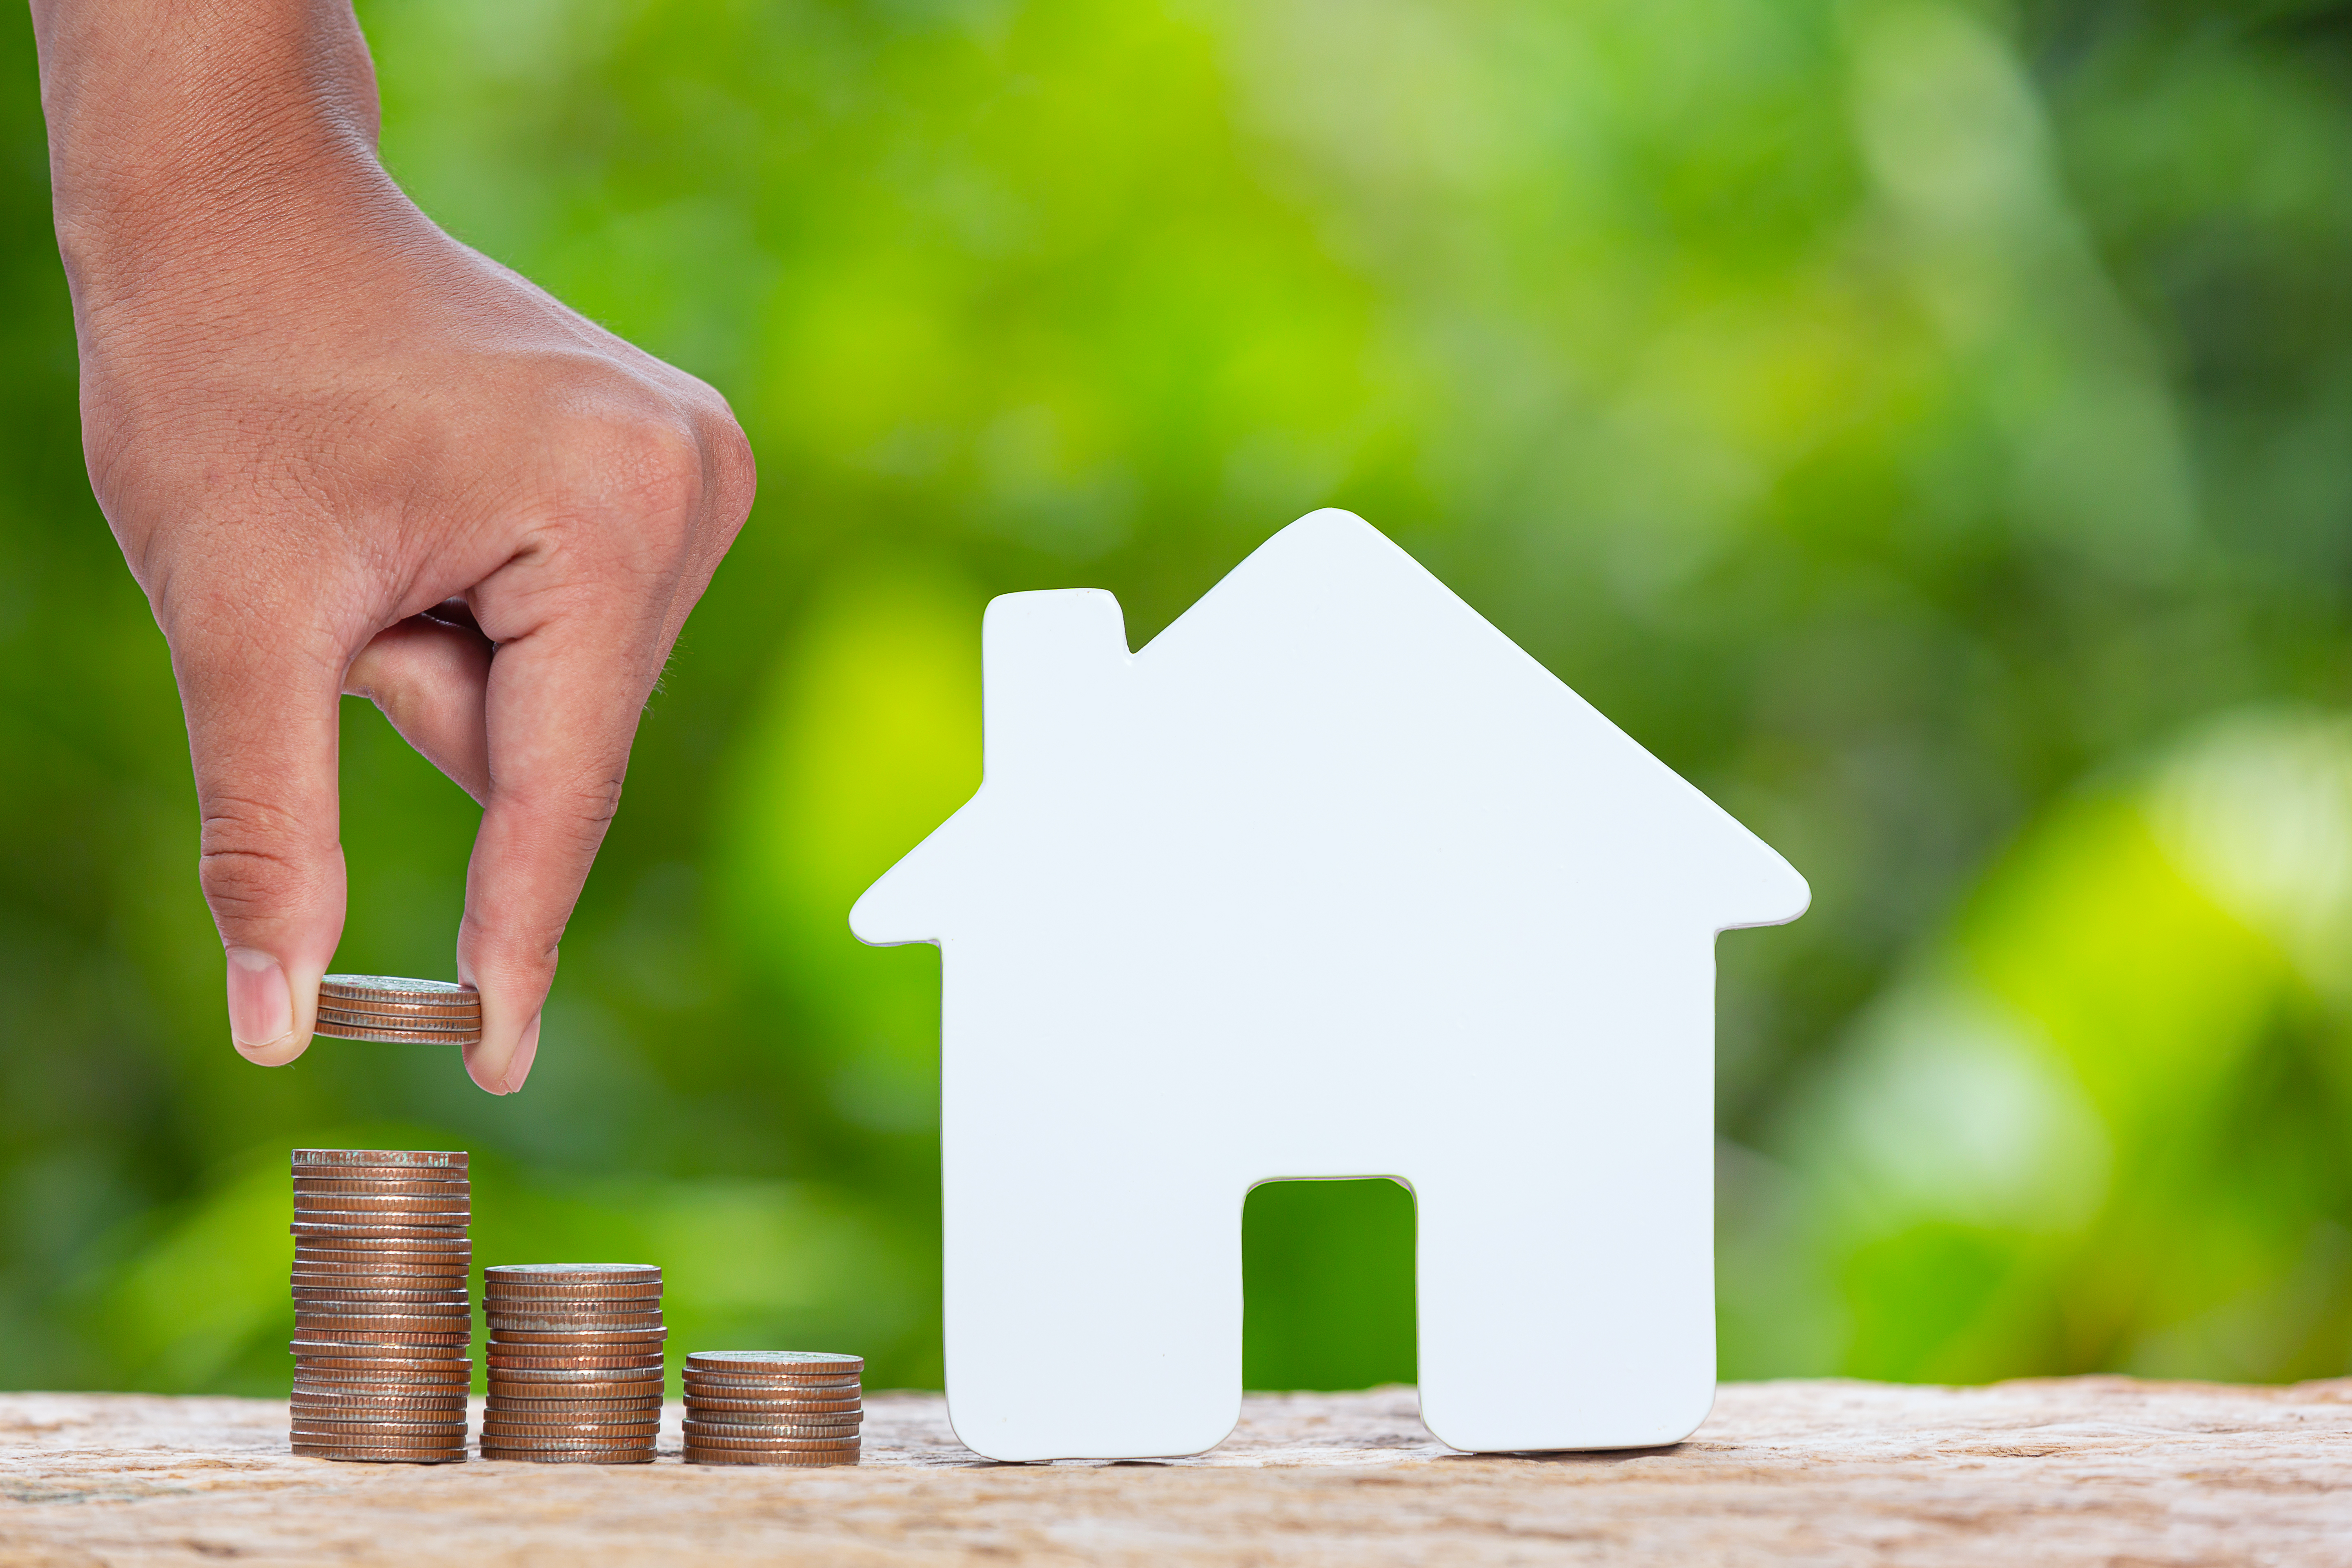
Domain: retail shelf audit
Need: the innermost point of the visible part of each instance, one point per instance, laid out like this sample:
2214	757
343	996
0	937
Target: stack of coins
405	1012
772	1407
575	1356
380	1319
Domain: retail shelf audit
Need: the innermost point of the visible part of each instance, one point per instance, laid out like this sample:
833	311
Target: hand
343	453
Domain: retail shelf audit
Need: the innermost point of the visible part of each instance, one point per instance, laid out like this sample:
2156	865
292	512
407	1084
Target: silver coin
827	1363
437	1159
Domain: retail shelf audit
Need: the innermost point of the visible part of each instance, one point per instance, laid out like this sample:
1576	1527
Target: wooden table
2018	1475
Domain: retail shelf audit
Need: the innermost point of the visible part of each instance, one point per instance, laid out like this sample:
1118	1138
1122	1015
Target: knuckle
656	468
246	862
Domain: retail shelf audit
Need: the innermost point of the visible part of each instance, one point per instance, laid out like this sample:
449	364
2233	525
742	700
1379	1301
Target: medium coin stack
575	1355
772	1407
381	1317
403	1012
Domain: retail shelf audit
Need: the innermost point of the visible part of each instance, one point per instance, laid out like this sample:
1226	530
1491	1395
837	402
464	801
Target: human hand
343	453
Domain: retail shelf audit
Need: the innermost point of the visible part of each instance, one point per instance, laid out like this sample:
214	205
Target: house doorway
1326	1285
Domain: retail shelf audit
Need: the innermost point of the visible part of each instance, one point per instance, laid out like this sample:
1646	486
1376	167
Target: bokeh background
1926	425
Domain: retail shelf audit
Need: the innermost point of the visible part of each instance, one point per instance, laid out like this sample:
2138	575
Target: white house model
1331	880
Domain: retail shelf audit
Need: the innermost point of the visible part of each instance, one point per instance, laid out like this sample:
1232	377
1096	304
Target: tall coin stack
772	1407
575	1356
381	1317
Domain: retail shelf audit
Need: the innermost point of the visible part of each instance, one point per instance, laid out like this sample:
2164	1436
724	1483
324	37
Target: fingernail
519	1066
260	1003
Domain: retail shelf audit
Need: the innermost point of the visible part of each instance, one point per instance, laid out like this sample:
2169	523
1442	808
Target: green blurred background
1925	424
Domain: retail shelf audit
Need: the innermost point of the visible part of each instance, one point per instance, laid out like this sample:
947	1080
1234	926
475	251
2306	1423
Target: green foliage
1918	421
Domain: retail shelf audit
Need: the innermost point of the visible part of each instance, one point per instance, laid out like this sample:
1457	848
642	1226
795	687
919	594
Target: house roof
1328	722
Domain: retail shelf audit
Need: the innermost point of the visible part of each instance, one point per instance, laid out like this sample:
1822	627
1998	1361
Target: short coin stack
380	1319
403	1012
575	1356
772	1407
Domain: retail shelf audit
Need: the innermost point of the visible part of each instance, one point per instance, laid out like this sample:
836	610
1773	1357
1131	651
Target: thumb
261	704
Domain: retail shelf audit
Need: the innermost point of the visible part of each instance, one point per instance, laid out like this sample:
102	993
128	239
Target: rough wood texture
2020	1475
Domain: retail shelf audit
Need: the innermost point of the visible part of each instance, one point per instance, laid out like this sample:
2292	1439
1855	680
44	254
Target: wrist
183	142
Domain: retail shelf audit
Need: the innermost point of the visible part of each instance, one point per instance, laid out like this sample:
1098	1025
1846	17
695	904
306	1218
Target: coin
699	1455
538	1328
446	1296
335	1019
402	1203
446	1160
613	1366
782	1407
522	1374
421	1012
821	1363
424	1020
422	1180
416	1434
441	1289
643	1404
381	1456
318	1400
308	1300
644	1456
421	1175
503	1390
584	1273
447	1252
335	1031
450	1021
506	1428
414	1237
391	988
744	1387
633	1442
394	1036
707	1425
721	1437
388	1369
574	1289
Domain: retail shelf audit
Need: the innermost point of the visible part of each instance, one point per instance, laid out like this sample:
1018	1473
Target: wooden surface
2018	1475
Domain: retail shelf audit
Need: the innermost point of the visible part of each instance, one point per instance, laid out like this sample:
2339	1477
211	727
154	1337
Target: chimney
1050	662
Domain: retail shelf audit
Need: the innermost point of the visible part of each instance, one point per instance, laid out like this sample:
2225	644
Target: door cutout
1326	1285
